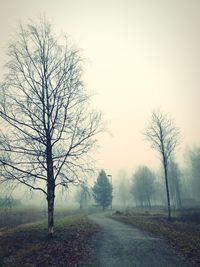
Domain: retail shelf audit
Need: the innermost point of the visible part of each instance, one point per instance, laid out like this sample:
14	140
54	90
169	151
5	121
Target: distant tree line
100	195
9	202
146	187
172	186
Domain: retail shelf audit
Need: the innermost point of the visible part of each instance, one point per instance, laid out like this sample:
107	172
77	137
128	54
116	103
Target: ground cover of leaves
28	245
184	237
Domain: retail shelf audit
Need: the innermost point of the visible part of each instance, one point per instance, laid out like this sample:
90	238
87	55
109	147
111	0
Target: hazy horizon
141	55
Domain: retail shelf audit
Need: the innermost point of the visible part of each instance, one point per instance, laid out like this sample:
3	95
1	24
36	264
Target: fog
140	55
99	133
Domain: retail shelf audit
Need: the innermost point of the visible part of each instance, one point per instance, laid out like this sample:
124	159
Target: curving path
120	245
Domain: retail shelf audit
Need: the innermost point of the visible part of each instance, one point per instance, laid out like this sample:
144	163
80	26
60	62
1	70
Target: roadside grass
182	235
14	216
28	245
11	217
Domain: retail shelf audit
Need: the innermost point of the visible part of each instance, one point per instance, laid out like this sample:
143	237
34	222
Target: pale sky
142	54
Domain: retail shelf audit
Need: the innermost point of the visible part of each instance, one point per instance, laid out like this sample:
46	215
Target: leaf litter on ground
28	245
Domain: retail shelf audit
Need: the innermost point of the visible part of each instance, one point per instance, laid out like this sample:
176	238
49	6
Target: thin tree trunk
50	190
167	190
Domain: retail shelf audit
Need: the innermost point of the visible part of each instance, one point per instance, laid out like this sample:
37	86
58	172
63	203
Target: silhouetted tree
193	157
163	137
48	127
143	187
102	190
83	195
174	174
123	185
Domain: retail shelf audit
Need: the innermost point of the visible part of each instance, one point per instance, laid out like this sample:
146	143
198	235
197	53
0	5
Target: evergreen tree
102	190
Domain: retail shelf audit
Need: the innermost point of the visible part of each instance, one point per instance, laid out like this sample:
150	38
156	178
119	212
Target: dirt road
120	245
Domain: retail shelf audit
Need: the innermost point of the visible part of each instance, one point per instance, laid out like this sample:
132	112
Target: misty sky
141	55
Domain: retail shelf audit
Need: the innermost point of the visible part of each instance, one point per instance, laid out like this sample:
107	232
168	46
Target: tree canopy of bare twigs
163	137
143	187
47	127
174	174
193	159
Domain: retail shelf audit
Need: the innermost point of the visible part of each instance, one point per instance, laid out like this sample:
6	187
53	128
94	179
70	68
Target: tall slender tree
47	127
163	137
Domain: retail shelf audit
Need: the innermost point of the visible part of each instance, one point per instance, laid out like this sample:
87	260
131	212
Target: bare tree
174	175
83	195
123	188
163	136
48	129
143	187
193	161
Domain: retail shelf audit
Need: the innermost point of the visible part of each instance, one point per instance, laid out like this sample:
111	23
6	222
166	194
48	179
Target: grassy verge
12	217
184	237
28	245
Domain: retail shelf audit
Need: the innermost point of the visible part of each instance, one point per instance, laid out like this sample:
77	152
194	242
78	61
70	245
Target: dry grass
15	216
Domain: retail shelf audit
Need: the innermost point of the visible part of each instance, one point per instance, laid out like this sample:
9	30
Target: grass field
28	244
182	233
15	216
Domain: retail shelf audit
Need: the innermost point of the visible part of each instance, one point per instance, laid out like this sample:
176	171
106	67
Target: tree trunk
50	190
167	189
50	200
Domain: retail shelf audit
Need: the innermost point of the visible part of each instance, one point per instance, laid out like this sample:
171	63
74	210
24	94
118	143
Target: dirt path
120	245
